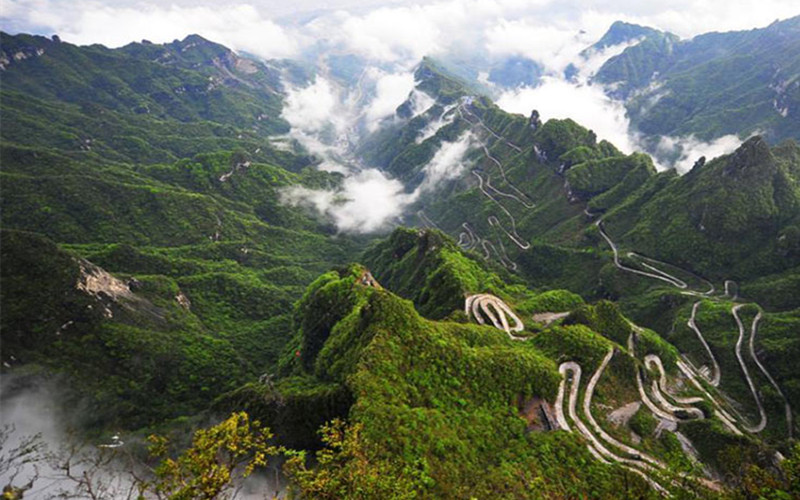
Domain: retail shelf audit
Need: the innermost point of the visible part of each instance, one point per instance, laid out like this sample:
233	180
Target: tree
218	459
347	467
14	462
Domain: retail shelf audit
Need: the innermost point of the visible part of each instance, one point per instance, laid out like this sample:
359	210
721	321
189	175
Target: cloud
447	163
314	107
421	102
433	126
687	150
586	104
241	27
368	201
391	90
549	45
383	31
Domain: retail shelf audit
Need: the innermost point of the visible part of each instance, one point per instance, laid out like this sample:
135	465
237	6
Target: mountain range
561	317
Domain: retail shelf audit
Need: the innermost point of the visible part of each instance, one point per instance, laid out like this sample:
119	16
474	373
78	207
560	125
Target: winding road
660	392
762	414
520	194
772	381
496	311
716	372
598	449
719	412
463	107
468	240
513	235
636	460
661	275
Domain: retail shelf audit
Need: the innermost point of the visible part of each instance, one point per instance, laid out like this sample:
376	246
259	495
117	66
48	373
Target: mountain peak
752	158
621	32
197	42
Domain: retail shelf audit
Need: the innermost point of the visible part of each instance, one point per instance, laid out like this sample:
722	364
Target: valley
403	297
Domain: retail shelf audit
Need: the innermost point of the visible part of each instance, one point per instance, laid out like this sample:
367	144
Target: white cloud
241	27
384	34
385	31
391	90
394	36
368	201
421	102
447	163
433	126
689	149
586	104
313	107
548	44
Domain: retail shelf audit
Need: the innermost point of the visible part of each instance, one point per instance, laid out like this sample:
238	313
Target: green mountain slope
154	163
148	257
715	84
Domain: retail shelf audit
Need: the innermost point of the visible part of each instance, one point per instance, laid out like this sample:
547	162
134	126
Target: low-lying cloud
586	104
385	31
448	162
329	116
391	90
687	150
314	107
367	201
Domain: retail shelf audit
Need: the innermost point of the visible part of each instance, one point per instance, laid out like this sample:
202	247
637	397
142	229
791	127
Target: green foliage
604	318
573	342
557	137
345	469
710	85
425	393
294	407
551	301
593	177
220	456
776	291
427	267
724	218
643	423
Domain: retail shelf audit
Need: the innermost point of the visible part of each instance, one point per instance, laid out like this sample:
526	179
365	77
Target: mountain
527	187
741	82
152	163
564	317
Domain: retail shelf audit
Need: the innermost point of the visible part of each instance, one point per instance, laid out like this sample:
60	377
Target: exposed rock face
535	121
98	282
95	281
9	57
184	301
753	158
114	295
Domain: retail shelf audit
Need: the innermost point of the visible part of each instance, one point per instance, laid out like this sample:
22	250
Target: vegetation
148	257
708	86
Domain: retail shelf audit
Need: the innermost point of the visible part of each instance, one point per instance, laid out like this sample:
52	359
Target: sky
280	28
392	37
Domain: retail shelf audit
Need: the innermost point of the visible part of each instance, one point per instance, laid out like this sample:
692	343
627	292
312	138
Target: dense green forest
564	320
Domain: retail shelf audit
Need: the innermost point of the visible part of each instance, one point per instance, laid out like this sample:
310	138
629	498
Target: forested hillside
563	319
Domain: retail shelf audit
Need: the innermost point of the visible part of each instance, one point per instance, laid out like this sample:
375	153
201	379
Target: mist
331	114
33	411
